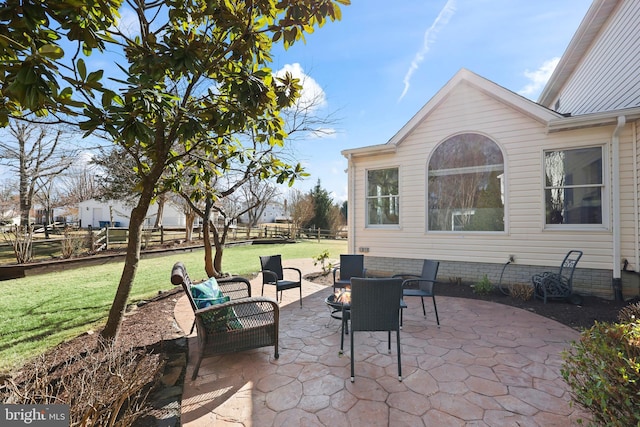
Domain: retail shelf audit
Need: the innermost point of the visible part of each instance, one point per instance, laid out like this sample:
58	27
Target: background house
481	175
274	211
99	214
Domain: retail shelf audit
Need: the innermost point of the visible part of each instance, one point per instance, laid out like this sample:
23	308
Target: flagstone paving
486	365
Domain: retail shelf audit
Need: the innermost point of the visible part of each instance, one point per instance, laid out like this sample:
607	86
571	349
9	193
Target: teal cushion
208	293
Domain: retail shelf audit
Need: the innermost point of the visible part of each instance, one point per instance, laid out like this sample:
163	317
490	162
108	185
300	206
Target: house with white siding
116	213
481	175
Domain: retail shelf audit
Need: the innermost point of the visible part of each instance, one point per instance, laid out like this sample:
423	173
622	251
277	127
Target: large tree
34	153
192	73
301	210
322	205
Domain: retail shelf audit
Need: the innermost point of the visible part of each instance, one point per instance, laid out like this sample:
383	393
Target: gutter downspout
615	196
351	214
635	199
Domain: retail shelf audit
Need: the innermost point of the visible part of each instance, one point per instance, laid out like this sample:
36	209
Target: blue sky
384	60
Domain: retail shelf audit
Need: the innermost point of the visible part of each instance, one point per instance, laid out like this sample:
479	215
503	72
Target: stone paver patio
487	365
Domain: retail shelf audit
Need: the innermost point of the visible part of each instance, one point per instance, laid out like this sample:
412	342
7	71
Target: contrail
429	37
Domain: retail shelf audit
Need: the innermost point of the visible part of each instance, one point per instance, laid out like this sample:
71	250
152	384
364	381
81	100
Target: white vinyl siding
607	77
629	209
522	141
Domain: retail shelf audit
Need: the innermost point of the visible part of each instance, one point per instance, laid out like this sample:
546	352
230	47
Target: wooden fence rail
105	238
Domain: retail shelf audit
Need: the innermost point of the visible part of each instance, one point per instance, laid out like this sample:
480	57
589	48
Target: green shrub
483	287
322	260
603	371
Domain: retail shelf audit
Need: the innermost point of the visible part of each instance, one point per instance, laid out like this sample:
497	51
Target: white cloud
429	38
312	96
538	78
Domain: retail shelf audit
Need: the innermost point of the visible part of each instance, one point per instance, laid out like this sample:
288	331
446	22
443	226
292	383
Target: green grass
39	312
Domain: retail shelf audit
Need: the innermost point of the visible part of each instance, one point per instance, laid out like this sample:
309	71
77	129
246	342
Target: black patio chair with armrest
422	286
273	274
552	285
350	266
242	323
375	306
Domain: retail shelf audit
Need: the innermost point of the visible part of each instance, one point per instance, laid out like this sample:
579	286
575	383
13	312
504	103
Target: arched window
466	185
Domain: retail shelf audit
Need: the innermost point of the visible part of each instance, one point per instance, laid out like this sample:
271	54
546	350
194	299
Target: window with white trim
574	186
466	185
383	199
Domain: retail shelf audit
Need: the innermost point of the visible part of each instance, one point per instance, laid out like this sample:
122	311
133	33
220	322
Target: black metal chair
375	306
551	285
422	286
350	266
273	274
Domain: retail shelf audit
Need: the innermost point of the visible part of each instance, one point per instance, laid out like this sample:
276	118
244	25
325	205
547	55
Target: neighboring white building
481	174
99	214
274	212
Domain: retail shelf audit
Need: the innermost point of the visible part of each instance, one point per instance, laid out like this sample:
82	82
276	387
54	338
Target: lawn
39	312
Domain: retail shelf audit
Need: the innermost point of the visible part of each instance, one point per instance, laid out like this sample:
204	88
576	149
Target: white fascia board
607	118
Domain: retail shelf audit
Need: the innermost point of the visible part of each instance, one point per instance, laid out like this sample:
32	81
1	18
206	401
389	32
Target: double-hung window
574	186
383	200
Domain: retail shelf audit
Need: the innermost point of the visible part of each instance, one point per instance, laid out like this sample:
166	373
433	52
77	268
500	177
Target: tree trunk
161	200
25	201
46	223
206	235
189	220
219	241
132	258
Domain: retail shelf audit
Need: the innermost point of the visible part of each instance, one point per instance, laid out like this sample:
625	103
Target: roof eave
370	150
592	120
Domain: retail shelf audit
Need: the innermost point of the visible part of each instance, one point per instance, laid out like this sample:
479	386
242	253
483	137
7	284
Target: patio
487	365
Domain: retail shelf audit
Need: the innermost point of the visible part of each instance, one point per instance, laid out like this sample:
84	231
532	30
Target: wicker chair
551	285
375	306
273	274
243	323
422	286
350	266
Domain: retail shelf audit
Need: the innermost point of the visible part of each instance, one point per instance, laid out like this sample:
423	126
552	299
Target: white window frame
604	226
480	168
367	198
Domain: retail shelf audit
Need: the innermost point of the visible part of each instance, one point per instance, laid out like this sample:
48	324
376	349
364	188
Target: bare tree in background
48	196
259	194
79	184
336	220
34	152
301	209
187	209
119	182
9	202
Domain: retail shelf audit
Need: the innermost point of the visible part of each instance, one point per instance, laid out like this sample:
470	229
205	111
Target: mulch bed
579	317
